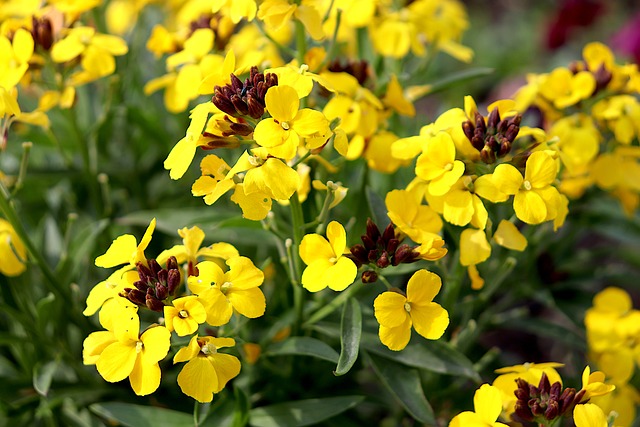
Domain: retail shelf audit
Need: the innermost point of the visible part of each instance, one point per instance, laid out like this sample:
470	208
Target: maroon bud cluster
42	32
357	68
494	138
546	401
155	285
244	99
381	250
229	129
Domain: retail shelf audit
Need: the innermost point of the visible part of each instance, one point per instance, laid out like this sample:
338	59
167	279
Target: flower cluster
211	296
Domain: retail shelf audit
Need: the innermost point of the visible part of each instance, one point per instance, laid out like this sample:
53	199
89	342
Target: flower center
183	314
139	346
407	307
209	349
225	287
527	185
448	166
285	125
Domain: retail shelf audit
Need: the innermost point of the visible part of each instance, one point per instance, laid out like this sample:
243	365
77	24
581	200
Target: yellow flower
221	293
564	88
97	52
461	205
236	9
487	404
207	371
288	127
589	415
419	222
108	291
378	152
185	315
15	57
578	140
126	250
190	250
13	254
326	263
438	165
135	356
594	385
276	13
396	99
536	200
397	313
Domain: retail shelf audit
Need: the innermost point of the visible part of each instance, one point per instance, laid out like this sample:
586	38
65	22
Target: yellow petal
94	345
339	276
474	247
219	310
507	179
274	177
390	309
541	169
311	19
243	273
188	352
144	378
509	236
589	415
226	367
429	320
198	379
530	207
282	103
116	361
255	206
487	403
23	45
120	252
423	286
313	275
156	343
398	337
315	247
250	303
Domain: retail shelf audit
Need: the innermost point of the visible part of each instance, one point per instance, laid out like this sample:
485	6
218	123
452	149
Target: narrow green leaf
44	308
351	330
454	79
548	329
43	375
131	415
404	384
303	346
302	412
377	207
435	356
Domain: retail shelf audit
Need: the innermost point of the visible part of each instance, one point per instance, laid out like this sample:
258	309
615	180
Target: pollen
209	349
448	166
407	307
285	125
139	346
526	185
183	314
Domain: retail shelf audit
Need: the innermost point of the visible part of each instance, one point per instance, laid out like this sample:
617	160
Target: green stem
196	413
26	149
11	216
297	219
323	216
336	302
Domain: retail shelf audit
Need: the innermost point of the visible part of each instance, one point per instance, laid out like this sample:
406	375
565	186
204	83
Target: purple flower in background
627	40
571	15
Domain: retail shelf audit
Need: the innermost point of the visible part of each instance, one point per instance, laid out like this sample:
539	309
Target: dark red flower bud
369	276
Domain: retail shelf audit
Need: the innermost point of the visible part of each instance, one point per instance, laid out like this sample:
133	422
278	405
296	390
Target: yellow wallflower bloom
396	99
578	140
564	88
207	371
185	316
221	293
97	52
288	127
378	152
108	291
461	205
299	78
190	251
134	356
397	313
487	404
621	114
419	222
15	56
536	200
594	385
126	250
326	264
438	165
276	13
13	254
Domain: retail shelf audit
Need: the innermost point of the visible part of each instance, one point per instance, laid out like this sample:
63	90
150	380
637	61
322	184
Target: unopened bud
369	276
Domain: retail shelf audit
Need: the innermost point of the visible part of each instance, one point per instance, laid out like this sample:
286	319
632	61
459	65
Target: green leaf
44	308
169	220
131	415
454	79
377	207
301	412
350	332
404	384
548	329
43	375
435	356
303	346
